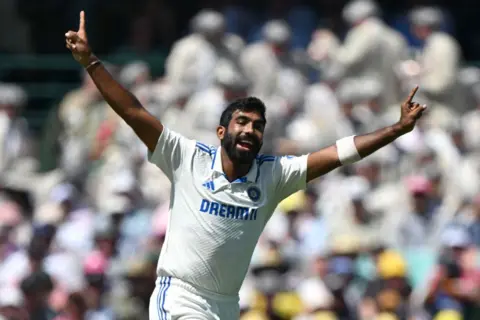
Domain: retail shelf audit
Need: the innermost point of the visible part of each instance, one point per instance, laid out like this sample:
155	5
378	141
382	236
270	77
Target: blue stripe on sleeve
203	147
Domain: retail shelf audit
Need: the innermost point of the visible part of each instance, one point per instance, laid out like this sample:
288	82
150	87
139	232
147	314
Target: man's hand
410	112
77	42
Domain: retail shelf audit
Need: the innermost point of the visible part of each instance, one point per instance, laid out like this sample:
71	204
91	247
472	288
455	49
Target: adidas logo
209	185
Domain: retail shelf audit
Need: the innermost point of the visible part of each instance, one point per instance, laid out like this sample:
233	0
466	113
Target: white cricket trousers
173	299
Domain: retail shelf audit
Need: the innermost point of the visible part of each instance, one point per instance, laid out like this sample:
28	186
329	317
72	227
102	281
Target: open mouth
245	145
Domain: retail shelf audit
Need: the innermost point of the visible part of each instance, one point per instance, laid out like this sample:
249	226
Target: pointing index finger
412	94
82	21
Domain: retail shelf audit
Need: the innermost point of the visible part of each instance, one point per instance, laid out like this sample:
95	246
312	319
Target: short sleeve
292	173
171	151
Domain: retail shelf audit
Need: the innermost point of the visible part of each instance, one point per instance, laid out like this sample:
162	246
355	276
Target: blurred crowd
83	215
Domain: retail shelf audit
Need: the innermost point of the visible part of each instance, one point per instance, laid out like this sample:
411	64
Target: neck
231	169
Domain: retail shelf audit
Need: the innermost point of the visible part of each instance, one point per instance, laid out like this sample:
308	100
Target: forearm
371	142
124	103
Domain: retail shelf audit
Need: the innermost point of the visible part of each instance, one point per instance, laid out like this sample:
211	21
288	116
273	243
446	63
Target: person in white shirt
221	197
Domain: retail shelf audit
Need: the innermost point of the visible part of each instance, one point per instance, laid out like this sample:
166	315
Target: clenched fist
77	42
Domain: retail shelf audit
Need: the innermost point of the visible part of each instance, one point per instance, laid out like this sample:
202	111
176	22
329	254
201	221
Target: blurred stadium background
83	215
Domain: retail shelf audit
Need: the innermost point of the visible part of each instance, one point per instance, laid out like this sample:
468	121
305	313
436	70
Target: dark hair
38	282
244	104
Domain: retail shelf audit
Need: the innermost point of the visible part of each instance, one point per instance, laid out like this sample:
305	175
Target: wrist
398	130
91	60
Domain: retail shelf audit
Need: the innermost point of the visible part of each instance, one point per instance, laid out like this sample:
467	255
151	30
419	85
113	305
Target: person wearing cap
15	139
421	223
455	282
193	59
262	61
208	104
440	58
95	268
390	290
36	289
68	130
341	280
371	48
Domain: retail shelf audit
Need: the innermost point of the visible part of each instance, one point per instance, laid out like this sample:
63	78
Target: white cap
208	21
358	10
11	94
11	296
426	16
132	71
277	31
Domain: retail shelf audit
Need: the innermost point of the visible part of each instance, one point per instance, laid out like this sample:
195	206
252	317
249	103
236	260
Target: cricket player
221	197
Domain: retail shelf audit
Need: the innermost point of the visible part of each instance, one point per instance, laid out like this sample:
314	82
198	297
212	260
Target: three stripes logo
209	185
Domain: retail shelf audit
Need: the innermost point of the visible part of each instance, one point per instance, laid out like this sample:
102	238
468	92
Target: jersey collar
217	168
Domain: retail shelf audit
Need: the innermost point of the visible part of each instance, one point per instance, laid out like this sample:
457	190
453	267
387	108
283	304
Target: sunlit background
83	215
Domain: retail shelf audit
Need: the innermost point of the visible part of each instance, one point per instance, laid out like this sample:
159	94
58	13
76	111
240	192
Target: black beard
241	157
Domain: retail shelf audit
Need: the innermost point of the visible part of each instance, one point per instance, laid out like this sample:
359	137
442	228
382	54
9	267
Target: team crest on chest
254	193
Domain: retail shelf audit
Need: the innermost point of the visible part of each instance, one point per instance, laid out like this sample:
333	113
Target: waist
164	279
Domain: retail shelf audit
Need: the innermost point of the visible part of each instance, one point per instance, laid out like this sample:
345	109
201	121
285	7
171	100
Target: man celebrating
221	197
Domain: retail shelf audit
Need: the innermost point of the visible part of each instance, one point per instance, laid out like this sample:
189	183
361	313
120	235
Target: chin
246	156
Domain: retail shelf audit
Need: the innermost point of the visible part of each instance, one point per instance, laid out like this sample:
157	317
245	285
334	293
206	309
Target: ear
221	132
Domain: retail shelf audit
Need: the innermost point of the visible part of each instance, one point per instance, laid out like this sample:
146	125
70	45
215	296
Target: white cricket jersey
214	224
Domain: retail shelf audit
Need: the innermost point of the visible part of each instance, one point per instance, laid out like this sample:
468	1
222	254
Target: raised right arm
124	103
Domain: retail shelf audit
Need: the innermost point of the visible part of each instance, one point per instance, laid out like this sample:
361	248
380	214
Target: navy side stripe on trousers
162	291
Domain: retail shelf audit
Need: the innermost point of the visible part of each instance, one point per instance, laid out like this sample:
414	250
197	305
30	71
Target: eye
260	126
242	120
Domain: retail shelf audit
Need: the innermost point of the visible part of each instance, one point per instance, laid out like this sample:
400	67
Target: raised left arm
351	149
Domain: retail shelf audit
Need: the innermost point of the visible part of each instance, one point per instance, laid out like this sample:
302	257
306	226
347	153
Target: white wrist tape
347	151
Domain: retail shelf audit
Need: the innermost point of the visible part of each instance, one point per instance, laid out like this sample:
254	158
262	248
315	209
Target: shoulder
205	148
271	162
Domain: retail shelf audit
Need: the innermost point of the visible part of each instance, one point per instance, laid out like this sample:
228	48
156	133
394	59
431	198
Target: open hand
410	112
77	42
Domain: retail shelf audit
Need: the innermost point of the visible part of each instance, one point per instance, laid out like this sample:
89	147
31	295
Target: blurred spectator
15	140
37	288
455	283
370	49
419	225
76	308
263	61
440	57
95	293
192	60
390	292
12	303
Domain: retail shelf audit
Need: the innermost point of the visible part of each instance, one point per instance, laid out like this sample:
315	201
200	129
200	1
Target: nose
248	128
